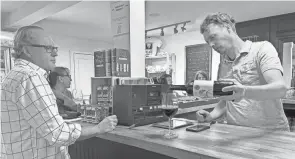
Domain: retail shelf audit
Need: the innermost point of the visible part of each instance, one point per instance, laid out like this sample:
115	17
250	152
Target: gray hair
221	19
23	36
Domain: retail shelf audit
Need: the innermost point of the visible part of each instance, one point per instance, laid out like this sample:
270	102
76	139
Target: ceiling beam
34	11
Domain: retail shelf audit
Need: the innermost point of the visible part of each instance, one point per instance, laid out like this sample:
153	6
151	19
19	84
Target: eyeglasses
66	76
49	49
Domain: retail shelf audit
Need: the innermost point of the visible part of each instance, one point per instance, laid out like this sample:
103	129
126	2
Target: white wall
293	55
69	44
176	44
287	62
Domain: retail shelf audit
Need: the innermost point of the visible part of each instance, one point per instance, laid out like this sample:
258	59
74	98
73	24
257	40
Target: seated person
60	81
201	75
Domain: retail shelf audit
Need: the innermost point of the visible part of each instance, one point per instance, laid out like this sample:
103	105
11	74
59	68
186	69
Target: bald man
31	126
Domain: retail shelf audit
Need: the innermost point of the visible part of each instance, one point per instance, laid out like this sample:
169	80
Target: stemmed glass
78	96
169	108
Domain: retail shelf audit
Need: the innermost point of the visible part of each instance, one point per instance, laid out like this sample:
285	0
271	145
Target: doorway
83	71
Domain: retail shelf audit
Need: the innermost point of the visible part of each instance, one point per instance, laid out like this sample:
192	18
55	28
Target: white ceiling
92	20
9	6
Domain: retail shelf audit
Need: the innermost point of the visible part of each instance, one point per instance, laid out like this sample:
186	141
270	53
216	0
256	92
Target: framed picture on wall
148	49
198	58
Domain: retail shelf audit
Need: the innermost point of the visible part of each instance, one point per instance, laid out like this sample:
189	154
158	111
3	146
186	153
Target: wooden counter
288	101
289	104
220	141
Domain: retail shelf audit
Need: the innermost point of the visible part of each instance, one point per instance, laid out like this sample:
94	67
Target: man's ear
60	78
25	51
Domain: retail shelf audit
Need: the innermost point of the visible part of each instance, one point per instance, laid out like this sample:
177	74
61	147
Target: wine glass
78	96
169	108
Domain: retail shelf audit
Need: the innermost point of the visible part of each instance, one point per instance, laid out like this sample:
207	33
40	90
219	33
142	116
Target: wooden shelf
156	57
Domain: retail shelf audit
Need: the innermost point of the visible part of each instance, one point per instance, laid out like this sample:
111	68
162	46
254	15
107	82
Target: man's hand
108	124
204	116
238	91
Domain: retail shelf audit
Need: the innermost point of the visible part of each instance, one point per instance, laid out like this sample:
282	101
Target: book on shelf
112	62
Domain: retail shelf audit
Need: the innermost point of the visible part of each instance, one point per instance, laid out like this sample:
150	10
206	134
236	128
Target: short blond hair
221	19
23	35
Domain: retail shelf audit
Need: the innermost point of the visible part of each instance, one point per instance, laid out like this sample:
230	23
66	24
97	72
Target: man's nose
53	54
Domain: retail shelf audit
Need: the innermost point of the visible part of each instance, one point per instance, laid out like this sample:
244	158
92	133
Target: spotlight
175	30
183	28
162	32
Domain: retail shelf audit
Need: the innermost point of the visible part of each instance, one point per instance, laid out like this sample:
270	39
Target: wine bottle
187	88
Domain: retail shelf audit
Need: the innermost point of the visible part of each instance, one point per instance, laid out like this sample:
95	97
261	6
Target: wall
71	44
68	45
176	44
293	55
287	64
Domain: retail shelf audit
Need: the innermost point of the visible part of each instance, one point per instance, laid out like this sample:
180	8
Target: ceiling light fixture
183	28
175	29
162	32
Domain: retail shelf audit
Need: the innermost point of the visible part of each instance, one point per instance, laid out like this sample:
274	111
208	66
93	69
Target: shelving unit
158	65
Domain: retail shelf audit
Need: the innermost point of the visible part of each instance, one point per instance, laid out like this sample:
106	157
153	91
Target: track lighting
166	26
175	29
162	32
183	28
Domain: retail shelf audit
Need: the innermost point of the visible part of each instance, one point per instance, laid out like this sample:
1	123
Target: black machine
137	104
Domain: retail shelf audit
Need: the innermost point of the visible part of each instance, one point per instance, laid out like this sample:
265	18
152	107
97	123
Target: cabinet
276	29
259	28
282	30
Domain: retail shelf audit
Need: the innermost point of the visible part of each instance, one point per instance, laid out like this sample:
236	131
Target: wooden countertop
288	101
194	109
288	104
220	141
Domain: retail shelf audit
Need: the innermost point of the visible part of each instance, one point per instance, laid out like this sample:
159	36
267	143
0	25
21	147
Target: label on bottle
203	88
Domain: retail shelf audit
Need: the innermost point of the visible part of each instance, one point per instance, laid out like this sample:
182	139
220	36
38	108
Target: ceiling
92	19
9	6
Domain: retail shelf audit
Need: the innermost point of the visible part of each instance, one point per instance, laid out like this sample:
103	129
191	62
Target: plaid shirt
31	126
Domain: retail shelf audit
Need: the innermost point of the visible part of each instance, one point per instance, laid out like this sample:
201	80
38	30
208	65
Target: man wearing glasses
31	126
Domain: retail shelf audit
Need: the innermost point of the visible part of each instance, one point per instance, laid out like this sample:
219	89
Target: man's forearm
219	110
266	92
89	132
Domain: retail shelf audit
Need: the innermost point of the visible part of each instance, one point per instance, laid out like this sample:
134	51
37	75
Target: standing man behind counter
256	70
31	126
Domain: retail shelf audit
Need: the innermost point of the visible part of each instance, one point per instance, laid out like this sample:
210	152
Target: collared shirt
31	126
254	59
